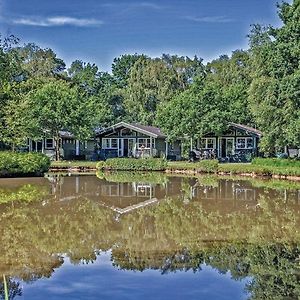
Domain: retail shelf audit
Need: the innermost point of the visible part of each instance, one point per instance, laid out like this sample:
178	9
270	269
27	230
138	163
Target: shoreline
83	169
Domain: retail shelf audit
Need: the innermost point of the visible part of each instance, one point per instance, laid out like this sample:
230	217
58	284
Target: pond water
150	236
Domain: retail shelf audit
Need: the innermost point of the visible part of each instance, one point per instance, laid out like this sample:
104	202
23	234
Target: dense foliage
13	164
185	97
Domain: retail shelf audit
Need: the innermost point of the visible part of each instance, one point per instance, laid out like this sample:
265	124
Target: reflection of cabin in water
223	195
226	190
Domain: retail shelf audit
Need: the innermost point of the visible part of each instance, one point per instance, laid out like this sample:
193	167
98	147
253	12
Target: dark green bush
13	163
133	164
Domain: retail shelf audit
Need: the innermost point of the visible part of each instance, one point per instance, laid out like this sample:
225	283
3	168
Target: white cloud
57	21
137	5
209	19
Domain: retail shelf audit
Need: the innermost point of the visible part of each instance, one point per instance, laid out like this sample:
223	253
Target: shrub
133	164
13	163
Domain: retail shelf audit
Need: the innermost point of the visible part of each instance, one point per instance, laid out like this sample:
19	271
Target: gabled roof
144	129
247	129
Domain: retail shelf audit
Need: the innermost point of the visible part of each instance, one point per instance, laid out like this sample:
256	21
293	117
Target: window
144	143
249	143
208	143
114	143
109	143
241	143
49	144
68	141
244	143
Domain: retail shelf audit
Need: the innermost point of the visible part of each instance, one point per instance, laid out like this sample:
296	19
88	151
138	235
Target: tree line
259	87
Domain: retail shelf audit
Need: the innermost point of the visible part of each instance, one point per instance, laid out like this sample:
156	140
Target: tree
195	112
37	62
121	68
274	92
57	106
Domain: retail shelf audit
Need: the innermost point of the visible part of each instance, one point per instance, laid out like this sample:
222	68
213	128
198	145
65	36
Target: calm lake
149	236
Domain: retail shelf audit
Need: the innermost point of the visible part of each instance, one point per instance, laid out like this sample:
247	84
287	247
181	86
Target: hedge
21	164
133	164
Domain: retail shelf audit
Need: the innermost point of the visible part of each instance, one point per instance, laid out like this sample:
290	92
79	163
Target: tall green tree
57	106
274	92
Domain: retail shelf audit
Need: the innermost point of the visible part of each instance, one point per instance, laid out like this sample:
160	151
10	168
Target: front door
226	147
128	147
125	148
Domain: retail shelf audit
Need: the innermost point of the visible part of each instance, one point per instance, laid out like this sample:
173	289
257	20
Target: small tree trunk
13	147
57	156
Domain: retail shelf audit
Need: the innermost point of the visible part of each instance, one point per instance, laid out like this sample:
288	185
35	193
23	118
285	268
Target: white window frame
46	143
237	146
107	143
140	144
206	143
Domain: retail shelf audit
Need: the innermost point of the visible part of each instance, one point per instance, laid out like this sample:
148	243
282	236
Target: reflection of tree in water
168	237
273	269
13	288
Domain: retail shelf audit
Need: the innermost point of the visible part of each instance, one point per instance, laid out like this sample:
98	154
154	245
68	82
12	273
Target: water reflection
153	222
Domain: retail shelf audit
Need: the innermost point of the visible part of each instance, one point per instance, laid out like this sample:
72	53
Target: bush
13	163
133	164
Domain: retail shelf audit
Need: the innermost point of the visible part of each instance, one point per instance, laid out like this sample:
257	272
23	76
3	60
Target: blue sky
99	30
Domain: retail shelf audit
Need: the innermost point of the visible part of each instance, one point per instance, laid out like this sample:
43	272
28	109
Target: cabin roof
148	130
247	129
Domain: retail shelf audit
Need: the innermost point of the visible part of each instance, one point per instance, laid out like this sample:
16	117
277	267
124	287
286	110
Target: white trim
77	147
132	127
206	143
220	145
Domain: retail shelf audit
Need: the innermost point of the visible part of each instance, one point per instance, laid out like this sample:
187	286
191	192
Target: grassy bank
259	166
14	164
74	165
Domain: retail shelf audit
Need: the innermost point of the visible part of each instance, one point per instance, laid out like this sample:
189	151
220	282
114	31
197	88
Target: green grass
205	166
237	168
260	167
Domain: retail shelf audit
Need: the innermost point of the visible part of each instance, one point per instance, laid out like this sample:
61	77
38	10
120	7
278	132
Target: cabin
239	143
136	140
70	147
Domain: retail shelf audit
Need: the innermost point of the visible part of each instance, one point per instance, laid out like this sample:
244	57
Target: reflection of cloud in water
94	282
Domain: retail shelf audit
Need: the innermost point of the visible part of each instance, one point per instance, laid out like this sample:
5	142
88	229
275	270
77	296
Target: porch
135	140
238	144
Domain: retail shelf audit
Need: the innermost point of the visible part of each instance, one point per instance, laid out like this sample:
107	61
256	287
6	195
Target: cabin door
125	148
226	147
128	147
